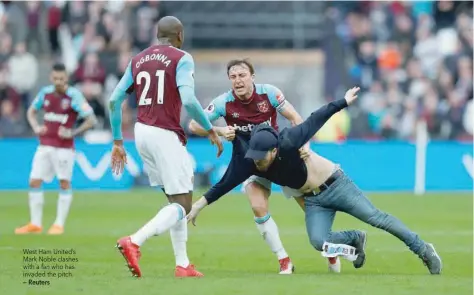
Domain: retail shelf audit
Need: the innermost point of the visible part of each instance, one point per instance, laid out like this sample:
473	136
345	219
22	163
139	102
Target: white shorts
288	192
52	161
165	159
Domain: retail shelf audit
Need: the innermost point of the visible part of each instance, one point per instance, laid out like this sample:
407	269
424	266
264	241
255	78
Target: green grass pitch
228	249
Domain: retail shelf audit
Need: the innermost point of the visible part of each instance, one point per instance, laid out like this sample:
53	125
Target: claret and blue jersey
163	78
60	110
261	107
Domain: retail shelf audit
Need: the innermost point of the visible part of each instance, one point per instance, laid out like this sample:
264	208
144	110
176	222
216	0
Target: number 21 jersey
157	73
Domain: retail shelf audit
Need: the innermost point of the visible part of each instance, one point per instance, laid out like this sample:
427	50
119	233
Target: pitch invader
62	106
163	78
243	107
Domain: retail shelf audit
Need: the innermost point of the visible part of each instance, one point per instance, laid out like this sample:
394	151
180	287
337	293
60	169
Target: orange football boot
56	230
28	229
190	271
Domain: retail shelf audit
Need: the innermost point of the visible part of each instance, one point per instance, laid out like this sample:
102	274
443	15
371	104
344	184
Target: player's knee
64	184
256	189
35	183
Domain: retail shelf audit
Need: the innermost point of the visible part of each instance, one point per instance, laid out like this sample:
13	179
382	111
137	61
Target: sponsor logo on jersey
249	127
58	118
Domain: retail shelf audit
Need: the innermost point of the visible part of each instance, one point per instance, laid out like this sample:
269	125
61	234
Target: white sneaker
334	264
286	266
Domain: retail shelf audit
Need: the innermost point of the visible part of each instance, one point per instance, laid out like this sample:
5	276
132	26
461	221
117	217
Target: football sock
36	201
179	237
64	203
166	218
269	230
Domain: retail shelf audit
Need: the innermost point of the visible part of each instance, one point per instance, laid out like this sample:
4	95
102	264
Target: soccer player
326	188
162	77
243	107
62	105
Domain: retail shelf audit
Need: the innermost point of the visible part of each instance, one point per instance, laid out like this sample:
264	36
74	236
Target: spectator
8	93
54	21
5	48
15	21
11	124
23	72
33	14
90	70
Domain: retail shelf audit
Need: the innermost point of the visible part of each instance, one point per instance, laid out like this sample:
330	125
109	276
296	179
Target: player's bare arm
185	82
88	123
228	132
31	115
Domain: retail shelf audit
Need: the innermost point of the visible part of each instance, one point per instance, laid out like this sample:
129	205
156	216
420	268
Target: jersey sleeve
237	172
115	103
185	71
37	103
276	97
299	135
216	108
185	83
80	104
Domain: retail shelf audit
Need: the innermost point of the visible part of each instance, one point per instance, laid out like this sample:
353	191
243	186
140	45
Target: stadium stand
413	60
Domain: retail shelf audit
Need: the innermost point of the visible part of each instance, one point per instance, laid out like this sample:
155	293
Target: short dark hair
244	61
59	67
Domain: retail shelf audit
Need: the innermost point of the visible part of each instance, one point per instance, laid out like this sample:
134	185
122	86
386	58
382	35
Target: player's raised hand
351	95
119	157
215	140
228	132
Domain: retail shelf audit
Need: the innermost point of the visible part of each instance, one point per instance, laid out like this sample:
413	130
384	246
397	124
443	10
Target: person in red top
62	105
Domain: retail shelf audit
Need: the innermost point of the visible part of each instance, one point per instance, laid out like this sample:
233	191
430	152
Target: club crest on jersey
210	108
65	103
235	115
262	106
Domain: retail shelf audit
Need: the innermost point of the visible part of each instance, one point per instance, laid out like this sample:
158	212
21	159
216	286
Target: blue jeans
343	195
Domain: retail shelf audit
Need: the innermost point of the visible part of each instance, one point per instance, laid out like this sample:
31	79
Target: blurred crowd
94	39
413	60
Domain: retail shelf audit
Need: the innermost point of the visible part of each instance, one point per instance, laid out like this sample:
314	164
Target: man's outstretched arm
237	172
301	134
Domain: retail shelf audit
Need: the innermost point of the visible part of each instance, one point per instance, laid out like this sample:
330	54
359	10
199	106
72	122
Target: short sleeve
276	97
37	103
79	103
216	108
